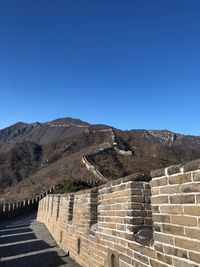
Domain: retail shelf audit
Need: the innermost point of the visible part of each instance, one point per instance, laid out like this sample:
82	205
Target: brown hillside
34	157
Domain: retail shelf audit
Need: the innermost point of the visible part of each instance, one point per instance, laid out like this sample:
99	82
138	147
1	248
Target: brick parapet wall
11	210
110	222
176	213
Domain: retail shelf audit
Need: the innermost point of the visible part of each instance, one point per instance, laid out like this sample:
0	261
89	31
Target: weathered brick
161	218
156	209
136	263
171	189
164	258
147	221
182	199
196	176
159	182
156	227
180	179
190	188
192	210
175	209
174	169
183	263
173	229
192	233
158	173
141	258
184	220
174	251
187	244
147	251
159	247
162	238
107	225
192	165
155	191
194	257
159	199
155	263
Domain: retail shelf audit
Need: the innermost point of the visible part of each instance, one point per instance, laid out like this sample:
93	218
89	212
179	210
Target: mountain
37	156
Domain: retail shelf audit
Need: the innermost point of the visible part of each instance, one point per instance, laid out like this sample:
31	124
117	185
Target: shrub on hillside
71	186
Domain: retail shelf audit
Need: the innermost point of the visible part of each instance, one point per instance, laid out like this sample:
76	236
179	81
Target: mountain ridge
36	156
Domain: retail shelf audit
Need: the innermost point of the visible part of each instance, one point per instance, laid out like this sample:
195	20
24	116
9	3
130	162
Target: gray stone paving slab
25	242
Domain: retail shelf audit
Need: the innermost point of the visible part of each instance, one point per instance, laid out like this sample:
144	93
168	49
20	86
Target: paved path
25	242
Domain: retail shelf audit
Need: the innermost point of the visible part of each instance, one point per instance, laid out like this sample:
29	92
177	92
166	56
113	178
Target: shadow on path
25	242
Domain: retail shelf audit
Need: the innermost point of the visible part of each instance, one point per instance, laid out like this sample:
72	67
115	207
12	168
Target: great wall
10	210
105	147
135	221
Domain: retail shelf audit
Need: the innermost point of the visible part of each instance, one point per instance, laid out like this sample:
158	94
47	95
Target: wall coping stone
175	169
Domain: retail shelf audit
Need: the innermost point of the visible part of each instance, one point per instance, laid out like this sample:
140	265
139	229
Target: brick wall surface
131	221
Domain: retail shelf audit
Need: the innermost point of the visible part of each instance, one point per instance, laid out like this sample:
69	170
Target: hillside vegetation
37	156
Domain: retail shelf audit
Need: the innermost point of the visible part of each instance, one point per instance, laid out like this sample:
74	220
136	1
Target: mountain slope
36	156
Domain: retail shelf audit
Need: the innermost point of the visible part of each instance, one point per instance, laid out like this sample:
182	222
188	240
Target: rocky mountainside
37	156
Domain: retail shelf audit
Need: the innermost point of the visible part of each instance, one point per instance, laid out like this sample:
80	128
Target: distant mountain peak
69	120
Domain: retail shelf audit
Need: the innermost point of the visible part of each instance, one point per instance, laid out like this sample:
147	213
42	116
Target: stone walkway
25	242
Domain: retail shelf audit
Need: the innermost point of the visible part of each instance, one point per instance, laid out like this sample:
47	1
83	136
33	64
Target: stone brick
192	165
137	192
156	209
136	263
139	199
162	238
192	233
155	263
187	244
171	189
159	182
141	258
147	251
155	191
183	263
125	258
192	210
134	246
184	220
158	173
156	227
147	221
159	199
182	199
177	252
173	229
194	257
196	176
164	258
180	179
175	209
161	218
174	169
190	188
159	247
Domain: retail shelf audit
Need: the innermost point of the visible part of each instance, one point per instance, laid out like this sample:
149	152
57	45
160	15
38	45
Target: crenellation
10	210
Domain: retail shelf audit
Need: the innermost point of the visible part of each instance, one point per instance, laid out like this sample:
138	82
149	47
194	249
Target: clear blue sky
128	63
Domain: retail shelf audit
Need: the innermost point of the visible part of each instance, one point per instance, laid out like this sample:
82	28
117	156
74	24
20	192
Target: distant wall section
10	210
